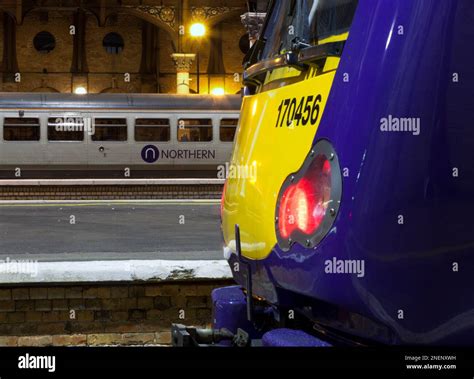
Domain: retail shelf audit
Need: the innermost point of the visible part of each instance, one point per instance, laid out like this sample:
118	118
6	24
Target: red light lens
286	220
304	204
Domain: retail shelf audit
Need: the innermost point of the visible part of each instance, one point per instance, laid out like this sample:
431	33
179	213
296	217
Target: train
356	228
68	135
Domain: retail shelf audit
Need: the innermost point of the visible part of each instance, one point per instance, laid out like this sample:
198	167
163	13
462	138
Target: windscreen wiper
255	74
315	54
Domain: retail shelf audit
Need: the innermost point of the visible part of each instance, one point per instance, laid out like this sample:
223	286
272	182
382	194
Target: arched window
113	43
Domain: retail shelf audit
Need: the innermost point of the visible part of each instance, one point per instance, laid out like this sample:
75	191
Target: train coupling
185	336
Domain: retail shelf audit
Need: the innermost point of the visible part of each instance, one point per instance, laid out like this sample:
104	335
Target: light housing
309	200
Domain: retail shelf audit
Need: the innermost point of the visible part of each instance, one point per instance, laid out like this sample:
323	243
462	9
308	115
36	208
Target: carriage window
195	130
65	129
228	129
21	129
110	129
152	129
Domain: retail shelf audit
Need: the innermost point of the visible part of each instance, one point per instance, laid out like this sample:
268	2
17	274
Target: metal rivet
331	157
312	153
308	243
292	178
332	212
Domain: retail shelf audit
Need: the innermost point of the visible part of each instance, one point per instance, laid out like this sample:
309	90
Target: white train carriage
48	132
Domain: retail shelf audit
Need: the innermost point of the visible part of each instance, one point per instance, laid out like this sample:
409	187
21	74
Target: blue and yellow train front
352	177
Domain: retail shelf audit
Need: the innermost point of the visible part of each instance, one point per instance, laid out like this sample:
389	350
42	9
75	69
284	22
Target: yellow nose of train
276	132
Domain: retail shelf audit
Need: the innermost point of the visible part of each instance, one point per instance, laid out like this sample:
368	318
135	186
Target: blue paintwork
291	338
407	267
229	307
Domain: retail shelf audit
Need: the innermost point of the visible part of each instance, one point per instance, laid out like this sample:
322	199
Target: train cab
356	228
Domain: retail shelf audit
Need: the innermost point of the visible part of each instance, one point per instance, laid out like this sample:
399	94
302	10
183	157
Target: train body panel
270	170
403	221
141	132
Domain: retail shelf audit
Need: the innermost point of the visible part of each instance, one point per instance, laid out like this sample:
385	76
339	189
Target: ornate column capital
183	64
183	61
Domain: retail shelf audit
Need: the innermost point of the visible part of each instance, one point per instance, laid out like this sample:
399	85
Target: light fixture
198	30
218	91
80	91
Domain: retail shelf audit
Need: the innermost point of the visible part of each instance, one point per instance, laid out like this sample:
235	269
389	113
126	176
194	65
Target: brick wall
60	58
140	192
107	70
115	314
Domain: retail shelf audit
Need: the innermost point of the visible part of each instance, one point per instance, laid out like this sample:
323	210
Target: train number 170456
294	112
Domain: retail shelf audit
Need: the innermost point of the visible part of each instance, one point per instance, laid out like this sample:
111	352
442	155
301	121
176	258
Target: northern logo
150	154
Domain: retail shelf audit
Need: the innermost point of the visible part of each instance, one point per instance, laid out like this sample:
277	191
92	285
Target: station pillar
9	65
183	64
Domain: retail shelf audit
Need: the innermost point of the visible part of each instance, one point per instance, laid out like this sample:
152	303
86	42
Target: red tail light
309	199
305	203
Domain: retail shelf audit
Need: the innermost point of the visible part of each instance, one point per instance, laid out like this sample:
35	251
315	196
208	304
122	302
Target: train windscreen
305	23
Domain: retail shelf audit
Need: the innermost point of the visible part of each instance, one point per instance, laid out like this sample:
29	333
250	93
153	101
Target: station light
218	91
198	30
80	91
